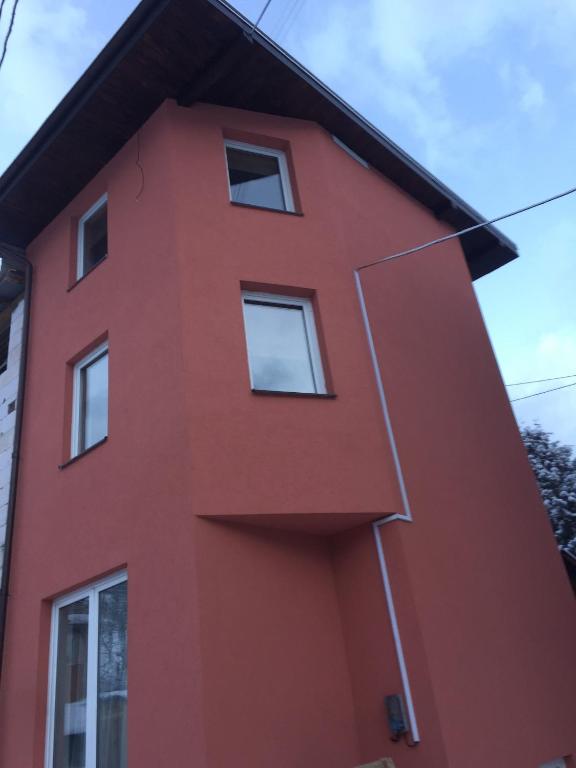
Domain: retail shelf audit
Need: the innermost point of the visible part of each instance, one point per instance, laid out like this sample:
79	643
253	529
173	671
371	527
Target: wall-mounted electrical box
397	720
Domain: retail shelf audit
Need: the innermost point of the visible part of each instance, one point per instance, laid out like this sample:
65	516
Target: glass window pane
112	677
71	676
278	348
95	401
255	179
95	238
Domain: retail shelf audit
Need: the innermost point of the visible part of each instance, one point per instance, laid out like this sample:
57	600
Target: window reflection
278	347
255	179
112	678
95	247
94	402
71	682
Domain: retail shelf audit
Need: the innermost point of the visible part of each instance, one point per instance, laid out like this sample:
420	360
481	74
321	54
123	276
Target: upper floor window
258	176
88	689
92	237
90	406
5	322
283	350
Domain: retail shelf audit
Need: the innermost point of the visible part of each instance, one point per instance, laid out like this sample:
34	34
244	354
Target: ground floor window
88	692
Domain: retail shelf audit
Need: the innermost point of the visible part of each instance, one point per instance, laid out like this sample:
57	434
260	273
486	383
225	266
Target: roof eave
489	252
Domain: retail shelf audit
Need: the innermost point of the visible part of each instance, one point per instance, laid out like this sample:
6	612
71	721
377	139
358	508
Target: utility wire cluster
544	392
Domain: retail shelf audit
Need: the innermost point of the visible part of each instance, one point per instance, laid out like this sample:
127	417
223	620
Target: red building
275	487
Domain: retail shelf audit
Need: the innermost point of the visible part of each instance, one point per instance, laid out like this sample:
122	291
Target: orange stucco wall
258	628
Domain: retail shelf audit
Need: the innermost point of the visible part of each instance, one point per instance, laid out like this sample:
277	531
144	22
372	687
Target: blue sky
483	94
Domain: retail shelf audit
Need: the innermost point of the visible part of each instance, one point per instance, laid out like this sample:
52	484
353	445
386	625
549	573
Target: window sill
264	208
85	275
281	393
74	459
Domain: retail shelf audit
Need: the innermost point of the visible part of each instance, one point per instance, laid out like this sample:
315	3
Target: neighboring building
275	500
570	565
11	317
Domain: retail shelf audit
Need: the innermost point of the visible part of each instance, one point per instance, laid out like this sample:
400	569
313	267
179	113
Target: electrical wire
259	19
468	229
1	8
544	392
289	19
541	381
282	16
9	32
139	166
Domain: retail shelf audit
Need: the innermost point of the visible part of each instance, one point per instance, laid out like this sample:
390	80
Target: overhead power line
541	381
468	229
289	18
544	392
259	19
9	32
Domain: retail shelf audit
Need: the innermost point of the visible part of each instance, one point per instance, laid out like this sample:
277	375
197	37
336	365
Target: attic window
92	237
350	151
258	176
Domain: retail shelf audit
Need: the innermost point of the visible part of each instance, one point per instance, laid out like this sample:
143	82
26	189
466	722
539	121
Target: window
92	237
5	323
283	352
88	693
258	176
90	406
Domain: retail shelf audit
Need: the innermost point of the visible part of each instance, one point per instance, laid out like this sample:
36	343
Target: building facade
261	489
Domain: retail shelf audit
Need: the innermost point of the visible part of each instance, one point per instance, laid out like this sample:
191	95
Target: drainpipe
414	730
4	586
406	516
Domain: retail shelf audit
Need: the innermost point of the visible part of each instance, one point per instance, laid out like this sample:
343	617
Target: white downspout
396	631
384	405
406	516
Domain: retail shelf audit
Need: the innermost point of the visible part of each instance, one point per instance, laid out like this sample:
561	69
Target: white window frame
305	304
80	270
75	448
282	167
91	591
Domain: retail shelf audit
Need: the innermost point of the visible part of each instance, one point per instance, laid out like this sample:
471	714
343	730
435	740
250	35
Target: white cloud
526	89
50	45
533	96
558	350
400	61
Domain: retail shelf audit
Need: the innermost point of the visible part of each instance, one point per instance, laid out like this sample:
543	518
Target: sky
483	94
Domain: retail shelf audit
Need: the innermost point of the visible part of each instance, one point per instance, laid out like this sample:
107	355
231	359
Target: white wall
8	392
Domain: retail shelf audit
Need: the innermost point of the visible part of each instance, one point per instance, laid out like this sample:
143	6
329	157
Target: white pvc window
90	400
283	350
258	176
92	237
88	678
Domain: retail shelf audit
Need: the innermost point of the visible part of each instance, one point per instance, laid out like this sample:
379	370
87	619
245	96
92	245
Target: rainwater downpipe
5	584
406	516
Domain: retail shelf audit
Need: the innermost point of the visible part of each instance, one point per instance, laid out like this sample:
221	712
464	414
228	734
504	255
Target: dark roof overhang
200	50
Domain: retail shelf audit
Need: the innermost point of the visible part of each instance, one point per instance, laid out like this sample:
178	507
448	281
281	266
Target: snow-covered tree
555	470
